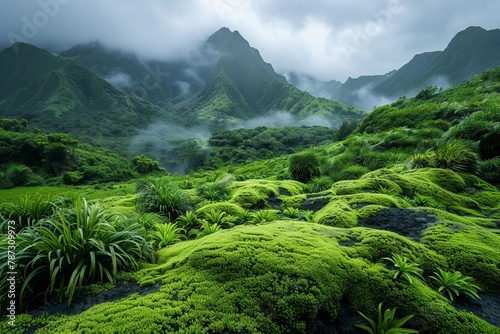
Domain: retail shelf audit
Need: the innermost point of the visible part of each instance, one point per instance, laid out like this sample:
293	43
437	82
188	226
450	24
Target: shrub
489	145
207	228
386	323
305	166
19	175
166	234
291	212
455	283
423	160
319	184
353	172
30	208
404	267
188	221
490	170
217	217
76	248
160	196
456	156
263	216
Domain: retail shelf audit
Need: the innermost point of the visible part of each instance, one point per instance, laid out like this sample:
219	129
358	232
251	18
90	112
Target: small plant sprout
387	323
455	284
404	267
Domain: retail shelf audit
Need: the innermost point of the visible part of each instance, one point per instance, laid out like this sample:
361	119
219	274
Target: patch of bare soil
408	223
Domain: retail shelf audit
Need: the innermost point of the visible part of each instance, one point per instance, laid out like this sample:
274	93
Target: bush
305	166
19	175
490	170
455	155
161	196
319	184
76	248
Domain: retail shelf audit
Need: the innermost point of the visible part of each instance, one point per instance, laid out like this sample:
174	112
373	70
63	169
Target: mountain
222	82
243	86
59	95
313	86
470	52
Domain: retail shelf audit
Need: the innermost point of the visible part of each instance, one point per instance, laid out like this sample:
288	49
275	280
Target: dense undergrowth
406	215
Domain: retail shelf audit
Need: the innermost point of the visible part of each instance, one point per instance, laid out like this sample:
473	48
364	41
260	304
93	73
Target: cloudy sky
329	39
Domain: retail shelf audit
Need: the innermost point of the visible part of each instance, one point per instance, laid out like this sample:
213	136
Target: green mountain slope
244	86
470	52
59	95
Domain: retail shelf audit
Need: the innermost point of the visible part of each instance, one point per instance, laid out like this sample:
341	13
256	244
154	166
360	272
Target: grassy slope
285	276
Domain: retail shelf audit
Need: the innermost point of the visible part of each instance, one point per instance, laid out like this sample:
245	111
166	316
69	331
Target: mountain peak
220	38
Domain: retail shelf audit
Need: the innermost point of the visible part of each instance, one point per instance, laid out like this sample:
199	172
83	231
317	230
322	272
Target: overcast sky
329	39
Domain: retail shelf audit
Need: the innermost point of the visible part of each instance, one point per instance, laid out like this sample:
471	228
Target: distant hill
470	52
59	95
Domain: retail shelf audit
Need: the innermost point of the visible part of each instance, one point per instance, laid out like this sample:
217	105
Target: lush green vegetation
402	215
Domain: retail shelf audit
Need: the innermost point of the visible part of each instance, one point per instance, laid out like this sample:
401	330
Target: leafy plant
318	184
423	160
308	215
217	217
30	208
262	216
166	234
76	248
404	267
455	155
207	228
422	200
304	167
455	283
291	212
490	170
386	323
188	220
388	191
19	175
161	196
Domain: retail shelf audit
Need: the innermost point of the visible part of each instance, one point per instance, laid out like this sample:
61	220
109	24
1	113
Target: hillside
59	95
470	52
293	244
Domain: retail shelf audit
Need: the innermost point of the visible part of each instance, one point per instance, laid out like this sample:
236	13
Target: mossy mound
227	207
336	213
274	278
251	194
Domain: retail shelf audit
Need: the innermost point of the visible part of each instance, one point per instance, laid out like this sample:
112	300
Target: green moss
367	183
359	200
369	211
273	278
293	201
444	178
472	250
254	193
336	213
227	207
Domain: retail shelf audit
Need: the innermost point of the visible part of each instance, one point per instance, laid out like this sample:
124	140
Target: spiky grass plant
319	184
241	217
161	196
423	160
207	228
386	323
455	155
218	217
76	248
291	212
19	175
28	210
263	216
490	170
403	267
308	215
188	221
304	167
166	234
455	284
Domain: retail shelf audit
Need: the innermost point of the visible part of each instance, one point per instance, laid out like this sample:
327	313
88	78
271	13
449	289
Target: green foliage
263	216
217	217
455	283
423	160
161	196
166	234
428	201
207	229
18	175
28	210
188	221
489	145
490	170
319	184
145	165
427	93
456	156
75	248
304	167
386	323
404	267
291	212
